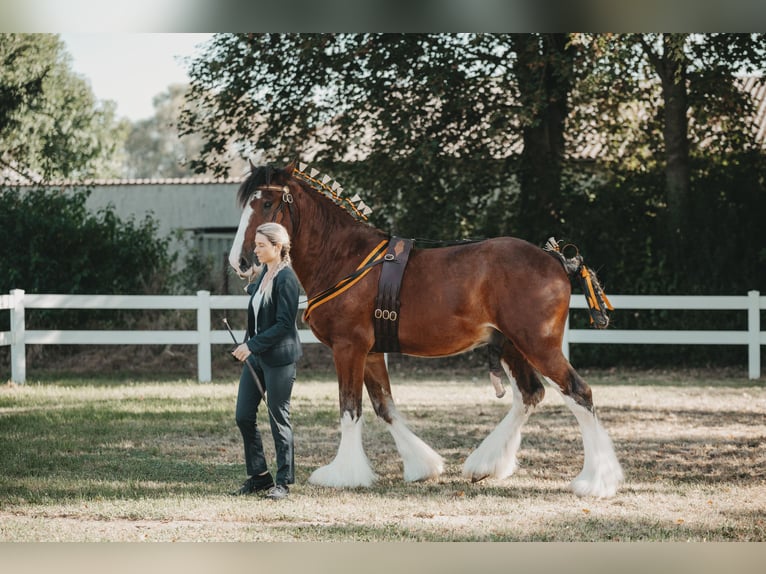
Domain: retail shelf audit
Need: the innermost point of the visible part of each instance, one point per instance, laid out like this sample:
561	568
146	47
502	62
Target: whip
258	382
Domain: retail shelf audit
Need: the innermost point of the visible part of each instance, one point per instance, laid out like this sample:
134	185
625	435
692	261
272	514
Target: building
200	214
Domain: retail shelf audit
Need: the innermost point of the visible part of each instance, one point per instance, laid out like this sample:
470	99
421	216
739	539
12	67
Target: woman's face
265	251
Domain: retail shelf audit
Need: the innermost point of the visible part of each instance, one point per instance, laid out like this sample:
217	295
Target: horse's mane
258	176
328	195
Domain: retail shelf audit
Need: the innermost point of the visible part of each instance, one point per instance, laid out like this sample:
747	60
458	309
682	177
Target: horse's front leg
420	460
351	467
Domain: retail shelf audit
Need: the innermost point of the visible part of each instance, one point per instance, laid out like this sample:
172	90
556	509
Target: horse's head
266	195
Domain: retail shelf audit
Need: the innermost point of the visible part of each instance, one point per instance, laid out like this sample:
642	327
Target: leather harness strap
386	315
374	258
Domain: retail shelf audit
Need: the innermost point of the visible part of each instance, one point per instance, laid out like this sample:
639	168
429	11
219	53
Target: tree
425	124
670	63
696	109
154	147
50	123
459	135
545	67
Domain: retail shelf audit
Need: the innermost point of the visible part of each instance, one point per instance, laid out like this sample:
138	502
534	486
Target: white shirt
256	304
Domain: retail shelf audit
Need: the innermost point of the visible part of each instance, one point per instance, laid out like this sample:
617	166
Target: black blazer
277	342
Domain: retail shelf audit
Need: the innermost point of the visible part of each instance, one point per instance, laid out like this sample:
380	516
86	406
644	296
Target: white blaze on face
239	239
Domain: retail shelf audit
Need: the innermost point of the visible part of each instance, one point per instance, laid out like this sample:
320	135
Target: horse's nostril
243	264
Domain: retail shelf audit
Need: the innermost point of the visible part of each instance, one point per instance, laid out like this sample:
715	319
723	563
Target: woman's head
276	235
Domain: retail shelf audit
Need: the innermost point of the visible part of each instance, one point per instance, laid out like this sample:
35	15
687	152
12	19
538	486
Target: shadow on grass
663	444
95	451
101	449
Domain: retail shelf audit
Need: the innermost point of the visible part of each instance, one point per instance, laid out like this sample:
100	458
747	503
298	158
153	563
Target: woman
272	348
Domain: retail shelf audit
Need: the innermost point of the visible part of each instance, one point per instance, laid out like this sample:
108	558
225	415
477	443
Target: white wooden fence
205	336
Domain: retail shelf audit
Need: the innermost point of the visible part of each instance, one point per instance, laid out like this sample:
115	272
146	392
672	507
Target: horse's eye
267	204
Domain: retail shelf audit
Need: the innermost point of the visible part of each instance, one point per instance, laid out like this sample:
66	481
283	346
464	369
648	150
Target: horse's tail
598	303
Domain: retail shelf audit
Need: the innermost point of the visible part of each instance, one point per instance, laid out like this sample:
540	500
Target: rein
375	257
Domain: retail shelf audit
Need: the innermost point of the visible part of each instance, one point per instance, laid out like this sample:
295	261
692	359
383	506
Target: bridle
285	201
286	207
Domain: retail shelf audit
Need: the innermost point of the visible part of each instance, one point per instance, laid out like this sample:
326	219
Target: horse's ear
289	168
252	165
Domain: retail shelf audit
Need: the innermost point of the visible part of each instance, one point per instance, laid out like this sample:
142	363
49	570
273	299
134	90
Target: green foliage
622	235
450	136
424	112
53	244
50	123
154	148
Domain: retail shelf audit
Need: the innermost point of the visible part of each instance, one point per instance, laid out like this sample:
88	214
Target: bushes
621	234
53	244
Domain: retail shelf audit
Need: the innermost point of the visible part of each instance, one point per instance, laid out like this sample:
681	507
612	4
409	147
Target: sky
130	69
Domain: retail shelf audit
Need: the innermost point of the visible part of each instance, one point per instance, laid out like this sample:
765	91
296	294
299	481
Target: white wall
185	206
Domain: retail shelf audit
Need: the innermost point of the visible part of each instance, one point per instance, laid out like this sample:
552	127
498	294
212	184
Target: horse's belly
441	338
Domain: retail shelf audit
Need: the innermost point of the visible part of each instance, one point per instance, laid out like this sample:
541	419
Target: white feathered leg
351	467
496	455
420	460
601	473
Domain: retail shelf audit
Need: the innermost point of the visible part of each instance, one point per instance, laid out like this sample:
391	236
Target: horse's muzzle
248	269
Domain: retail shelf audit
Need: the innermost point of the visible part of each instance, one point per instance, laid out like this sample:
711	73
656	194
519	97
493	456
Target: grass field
98	460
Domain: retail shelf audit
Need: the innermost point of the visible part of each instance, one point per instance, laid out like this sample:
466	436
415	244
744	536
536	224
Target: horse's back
514	261
458	294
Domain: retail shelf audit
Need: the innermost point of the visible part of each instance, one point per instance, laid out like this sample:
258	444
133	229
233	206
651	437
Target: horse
504	292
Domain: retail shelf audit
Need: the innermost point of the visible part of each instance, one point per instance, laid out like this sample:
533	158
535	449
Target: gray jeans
278	382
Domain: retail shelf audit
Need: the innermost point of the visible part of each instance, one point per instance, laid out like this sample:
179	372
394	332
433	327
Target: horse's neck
330	248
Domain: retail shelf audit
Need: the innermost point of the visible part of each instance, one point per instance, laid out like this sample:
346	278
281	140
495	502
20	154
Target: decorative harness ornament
598	302
332	190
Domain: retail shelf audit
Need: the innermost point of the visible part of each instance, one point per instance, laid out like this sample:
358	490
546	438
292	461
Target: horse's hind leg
601	474
420	461
496	455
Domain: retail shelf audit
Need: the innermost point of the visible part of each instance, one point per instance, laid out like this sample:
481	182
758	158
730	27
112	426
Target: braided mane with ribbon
330	188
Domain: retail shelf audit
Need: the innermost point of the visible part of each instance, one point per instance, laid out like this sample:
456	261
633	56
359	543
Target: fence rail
17	301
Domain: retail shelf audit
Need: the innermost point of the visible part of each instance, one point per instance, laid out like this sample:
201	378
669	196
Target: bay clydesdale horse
502	291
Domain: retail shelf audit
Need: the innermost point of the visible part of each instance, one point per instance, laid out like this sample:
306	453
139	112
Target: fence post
18	337
754	334
204	353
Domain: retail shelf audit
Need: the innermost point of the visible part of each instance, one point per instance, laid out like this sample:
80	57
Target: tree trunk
675	135
544	68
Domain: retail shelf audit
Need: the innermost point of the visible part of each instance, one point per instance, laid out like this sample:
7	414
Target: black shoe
255	484
278	492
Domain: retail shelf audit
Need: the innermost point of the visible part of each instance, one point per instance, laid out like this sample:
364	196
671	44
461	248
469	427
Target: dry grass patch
154	461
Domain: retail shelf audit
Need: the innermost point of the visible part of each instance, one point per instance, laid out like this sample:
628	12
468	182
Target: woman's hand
242	352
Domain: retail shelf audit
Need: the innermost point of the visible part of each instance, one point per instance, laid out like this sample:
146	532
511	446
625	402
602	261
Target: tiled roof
123	182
